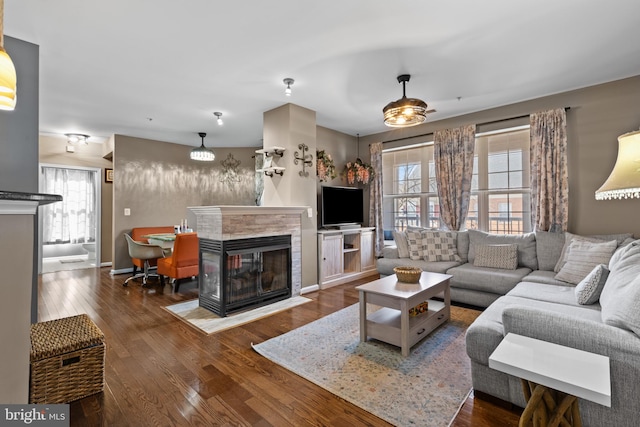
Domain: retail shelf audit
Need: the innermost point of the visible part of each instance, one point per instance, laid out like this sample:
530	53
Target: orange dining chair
183	262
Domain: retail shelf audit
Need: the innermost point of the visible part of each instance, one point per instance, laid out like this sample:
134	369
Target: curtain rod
479	124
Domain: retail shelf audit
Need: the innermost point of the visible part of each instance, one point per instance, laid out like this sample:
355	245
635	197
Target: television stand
349	227
345	255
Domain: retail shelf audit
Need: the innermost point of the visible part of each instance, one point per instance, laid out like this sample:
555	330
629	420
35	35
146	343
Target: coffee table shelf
385	324
392	323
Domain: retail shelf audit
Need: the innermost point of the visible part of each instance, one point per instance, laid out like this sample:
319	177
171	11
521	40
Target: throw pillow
400	238
589	289
526	245
414	241
582	257
620	298
569	237
440	246
497	256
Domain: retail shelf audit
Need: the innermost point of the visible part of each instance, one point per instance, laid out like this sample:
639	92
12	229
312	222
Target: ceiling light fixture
8	80
288	81
405	111
219	116
77	138
202	153
624	180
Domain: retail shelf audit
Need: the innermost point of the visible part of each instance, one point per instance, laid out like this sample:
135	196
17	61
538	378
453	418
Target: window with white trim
500	193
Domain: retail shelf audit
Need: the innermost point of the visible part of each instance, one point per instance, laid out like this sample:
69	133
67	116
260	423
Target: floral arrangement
325	169
358	172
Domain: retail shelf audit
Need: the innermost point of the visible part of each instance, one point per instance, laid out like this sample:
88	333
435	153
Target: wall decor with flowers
325	169
358	172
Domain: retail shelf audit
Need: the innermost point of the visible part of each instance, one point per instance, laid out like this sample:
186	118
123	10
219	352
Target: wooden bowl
408	274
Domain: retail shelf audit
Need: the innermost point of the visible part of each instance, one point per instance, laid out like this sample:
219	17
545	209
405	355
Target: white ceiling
158	69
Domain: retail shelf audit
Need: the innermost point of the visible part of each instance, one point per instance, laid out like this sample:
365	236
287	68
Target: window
500	194
409	189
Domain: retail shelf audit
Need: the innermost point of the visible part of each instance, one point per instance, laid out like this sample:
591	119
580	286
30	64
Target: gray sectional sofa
599	313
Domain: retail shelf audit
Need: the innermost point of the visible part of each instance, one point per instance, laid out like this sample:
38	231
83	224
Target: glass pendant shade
624	180
405	111
202	153
7	82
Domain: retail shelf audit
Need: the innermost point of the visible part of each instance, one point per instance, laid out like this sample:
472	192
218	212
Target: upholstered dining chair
183	262
145	252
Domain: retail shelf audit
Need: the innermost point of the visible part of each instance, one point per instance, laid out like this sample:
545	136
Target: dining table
164	240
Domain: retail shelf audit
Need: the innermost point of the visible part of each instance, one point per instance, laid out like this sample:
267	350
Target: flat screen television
341	206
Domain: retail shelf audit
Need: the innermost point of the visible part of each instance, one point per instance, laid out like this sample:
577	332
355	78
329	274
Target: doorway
70	230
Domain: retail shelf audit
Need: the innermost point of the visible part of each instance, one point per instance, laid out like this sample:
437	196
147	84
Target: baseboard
121	271
311	288
106	264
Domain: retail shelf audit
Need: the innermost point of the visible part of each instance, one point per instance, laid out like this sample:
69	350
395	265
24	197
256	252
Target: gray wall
157	181
19	142
19	128
598	115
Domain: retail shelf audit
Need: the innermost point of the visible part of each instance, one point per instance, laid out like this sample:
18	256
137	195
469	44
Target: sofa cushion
385	265
414	241
619	253
621	239
589	289
546	277
390	252
462	238
582	256
486	332
485	279
548	249
401	243
620	298
439	246
564	295
497	256
526	245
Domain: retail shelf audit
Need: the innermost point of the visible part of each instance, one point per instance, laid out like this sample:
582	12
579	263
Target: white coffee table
392	323
553	378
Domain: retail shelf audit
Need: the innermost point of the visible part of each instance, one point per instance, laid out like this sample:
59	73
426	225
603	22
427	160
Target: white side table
553	378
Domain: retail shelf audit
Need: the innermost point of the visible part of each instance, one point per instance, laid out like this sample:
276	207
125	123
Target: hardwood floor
161	372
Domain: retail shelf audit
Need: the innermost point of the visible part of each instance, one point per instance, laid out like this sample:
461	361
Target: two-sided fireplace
242	273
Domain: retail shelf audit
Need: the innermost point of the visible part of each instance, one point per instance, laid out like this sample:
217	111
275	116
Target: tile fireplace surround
241	222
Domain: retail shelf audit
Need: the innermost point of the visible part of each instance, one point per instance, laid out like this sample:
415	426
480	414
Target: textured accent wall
157	181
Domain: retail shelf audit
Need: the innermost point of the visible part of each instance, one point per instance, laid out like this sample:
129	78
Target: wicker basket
408	274
67	360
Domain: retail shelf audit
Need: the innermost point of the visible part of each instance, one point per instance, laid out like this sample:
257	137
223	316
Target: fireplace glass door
238	274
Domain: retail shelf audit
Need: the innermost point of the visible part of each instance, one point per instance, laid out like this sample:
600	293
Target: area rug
427	388
209	323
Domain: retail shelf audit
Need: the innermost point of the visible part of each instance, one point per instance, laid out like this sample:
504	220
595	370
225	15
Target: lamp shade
7	82
202	153
624	180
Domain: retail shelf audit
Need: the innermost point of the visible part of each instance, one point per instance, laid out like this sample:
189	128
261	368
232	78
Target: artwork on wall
230	172
108	175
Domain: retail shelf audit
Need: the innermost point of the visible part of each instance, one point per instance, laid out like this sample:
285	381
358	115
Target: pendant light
288	81
8	79
202	153
405	111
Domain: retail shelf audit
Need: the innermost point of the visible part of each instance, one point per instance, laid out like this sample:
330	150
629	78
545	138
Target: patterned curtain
453	156
375	196
549	174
